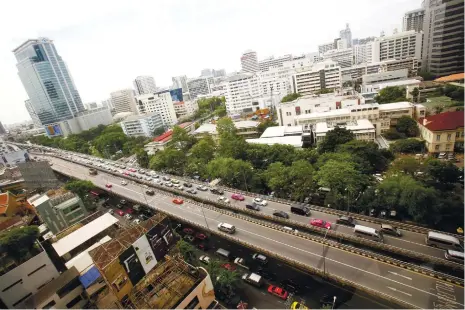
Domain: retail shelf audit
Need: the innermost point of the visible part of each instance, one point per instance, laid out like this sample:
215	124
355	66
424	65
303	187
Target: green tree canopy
169	160
393	134
158	131
368	152
333	138
442	175
408	165
233	172
411	146
18	242
264	125
391	94
187	251
291	97
407	126
181	139
80	187
142	158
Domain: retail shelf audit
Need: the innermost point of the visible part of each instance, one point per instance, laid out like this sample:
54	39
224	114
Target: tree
407	126
326	91
18	242
441	175
264	125
142	158
301	173
393	134
427	76
391	94
230	144
158	131
186	250
200	154
80	187
408	165
334	138
181	139
278	179
225	126
415	93
110	142
233	172
228	282
411	146
365	152
170	160
291	97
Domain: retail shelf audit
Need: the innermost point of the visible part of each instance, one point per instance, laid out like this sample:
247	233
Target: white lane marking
396	290
314	254
400	275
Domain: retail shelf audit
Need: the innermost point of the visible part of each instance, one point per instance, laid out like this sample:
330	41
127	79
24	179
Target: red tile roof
451	78
164	137
4	199
443	121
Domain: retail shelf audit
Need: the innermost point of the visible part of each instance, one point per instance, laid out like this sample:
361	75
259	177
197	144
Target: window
457	134
288	113
49	305
438	137
22	299
34	271
436	147
10	286
449	136
68	287
74	301
194	302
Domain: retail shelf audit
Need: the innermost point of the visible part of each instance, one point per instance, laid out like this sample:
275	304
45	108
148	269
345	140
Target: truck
253	278
92	171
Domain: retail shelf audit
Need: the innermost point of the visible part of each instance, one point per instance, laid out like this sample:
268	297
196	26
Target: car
216	191
169	184
228	266
191	191
204	259
298	306
123	201
178	201
124	183
391	230
240	262
329	300
223	199
136	222
277	291
260	201
148	178
345	220
203	246
187	184
132	170
188	231
120	212
320	223
139	177
150	192
129	211
281	214
189	238
202	188
260	258
165	178
143	217
253	206
201	236
108	185
237	197
174	181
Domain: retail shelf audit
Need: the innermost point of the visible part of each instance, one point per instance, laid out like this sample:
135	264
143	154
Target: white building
271	62
381	77
32	113
180	82
185	108
90	105
249	62
144	84
409	85
108	103
141	125
160	103
323	48
401	45
344	57
276	79
346	35
206	72
243	128
199	86
284	135
363	129
123	100
413	20
360	53
241	90
310	80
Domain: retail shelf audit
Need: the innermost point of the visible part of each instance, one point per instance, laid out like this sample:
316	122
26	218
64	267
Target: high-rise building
180	82
413	20
32	113
2	129
323	48
160	103
241	90
219	72
144	85
275	80
141	125
107	103
266	64
199	86
344	57
401	45
47	81
310	80
123	100
91	105
249	62
346	35
443	44
206	72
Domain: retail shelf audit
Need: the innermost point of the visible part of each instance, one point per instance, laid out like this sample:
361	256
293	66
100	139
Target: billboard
53	130
130	262
176	95
161	239
14	158
145	253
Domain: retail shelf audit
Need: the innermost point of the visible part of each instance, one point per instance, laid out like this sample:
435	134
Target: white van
368	232
223	252
443	241
228	228
455	256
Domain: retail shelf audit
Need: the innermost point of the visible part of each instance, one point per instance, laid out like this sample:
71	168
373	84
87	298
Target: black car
346	220
165	178
217	191
191	191
253	206
282	214
187	184
150	192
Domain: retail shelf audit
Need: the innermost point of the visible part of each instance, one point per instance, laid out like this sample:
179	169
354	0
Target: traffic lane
365	269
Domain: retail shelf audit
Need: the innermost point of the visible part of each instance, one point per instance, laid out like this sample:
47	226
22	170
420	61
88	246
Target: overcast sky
106	44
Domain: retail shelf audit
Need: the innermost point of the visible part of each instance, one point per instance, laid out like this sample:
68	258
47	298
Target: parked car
189	238
260	258
165	178
191	191
201	236
281	214
120	212
169	184
217	191
223	199
187	184
202	188
136	222
188	231
108	185
178	201
150	192
122	201
204	259
253	206
260	201
128	216
345	220
228	266
111	211
391	230
237	197
277	291
320	223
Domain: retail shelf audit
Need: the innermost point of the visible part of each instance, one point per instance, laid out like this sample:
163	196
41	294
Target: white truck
253	279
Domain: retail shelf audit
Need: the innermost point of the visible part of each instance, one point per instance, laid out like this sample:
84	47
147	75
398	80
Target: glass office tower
47	81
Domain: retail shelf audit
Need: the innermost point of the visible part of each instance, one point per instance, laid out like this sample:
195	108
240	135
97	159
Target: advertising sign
53	130
130	262
176	95
161	239
145	253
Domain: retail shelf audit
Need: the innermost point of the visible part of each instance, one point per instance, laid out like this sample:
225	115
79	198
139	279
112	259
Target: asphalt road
413	288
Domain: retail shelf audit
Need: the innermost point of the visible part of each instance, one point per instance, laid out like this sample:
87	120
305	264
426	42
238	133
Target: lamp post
334	301
324	255
204	217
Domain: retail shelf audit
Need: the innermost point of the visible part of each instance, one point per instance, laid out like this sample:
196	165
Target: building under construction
144	270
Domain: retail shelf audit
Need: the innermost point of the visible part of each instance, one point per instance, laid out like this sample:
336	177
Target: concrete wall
203	291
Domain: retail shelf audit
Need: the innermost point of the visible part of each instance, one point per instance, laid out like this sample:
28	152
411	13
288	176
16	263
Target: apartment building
199	86
306	60
442	132
241	90
401	45
275	80
413	20
380	77
249	62
357	71
344	56
272	62
160	103
323	48
185	108
142	125
310	80
123	100
144	84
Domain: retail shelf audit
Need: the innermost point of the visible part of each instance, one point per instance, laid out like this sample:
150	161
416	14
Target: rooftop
83	261
338	112
357	125
397	83
451	78
295	141
211	128
443	121
78	237
167	135
395	106
281	131
132	118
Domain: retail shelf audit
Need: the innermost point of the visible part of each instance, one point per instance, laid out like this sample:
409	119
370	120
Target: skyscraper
249	61
413	20
123	100
2	129
144	85
346	34
32	113
180	82
47	81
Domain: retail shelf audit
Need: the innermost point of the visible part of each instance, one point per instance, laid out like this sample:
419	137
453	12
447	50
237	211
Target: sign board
131	264
53	130
145	253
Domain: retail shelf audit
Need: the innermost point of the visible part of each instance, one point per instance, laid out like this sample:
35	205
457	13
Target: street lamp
204	217
334	301
324	255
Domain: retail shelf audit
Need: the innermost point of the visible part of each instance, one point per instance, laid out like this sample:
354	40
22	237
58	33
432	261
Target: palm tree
187	251
228	281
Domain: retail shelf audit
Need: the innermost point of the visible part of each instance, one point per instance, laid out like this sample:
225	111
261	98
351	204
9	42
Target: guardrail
235	212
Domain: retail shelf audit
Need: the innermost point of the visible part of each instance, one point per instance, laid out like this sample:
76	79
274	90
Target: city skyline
89	48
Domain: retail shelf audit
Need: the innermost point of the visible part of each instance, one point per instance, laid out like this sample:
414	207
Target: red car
120	212
320	223
129	211
132	170
201	236
237	197
228	267
188	231
126	173
178	201
108	185
277	291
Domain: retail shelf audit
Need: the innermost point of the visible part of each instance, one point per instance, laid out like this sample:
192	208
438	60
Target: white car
223	199
204	259
136	222
260	201
124	183
169	184
128	216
